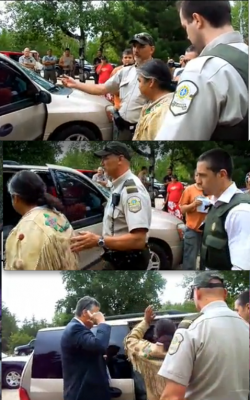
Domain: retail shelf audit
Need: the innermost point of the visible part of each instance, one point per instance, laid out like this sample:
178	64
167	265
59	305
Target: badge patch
183	98
134	204
175	344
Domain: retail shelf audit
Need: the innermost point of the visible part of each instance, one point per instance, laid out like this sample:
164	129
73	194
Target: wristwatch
101	242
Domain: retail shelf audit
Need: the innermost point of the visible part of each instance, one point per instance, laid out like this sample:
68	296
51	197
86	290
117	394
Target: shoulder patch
175	344
183	98
134	204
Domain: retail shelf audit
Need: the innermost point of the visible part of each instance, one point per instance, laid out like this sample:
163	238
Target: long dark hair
164	332
32	190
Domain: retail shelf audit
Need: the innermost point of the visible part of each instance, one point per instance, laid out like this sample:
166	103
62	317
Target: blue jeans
192	245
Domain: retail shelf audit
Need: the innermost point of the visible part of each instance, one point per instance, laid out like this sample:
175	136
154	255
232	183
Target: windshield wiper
54	88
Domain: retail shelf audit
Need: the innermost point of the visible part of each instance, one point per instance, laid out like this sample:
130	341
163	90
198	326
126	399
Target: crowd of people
156	104
202	358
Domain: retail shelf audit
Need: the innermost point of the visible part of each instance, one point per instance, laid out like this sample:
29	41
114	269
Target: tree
240	17
32	153
9	327
129	292
18	339
235	282
187	307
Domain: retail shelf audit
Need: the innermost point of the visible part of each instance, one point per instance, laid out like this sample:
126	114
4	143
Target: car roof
119	322
46	168
10	52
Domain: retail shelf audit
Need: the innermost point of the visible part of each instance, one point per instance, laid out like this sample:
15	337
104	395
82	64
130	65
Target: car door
125	382
21	117
84	208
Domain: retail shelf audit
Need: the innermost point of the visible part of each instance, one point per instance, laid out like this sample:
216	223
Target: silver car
79	193
32	108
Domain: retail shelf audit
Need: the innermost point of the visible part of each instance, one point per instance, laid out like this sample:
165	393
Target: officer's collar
214	304
121	179
225	38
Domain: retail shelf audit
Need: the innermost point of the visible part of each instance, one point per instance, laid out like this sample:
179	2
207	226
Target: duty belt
127	260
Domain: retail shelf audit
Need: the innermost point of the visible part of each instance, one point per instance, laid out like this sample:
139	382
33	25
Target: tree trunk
82	56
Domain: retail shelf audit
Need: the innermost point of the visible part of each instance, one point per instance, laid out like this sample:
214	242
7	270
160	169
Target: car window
15	57
81	199
14	86
38	79
47	355
118	333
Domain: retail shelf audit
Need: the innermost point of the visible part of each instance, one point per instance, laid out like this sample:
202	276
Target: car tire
74	131
159	255
16	377
87	75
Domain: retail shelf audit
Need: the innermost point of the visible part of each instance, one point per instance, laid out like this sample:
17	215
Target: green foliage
236	282
9	327
18	339
129	292
187	307
32	153
240	16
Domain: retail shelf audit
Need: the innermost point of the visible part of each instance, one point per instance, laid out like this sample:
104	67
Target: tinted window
117	336
81	199
47	355
15	57
14	86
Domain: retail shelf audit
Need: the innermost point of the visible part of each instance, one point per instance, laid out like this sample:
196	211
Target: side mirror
43	97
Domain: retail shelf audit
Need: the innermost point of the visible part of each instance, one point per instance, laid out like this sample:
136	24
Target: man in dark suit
84	369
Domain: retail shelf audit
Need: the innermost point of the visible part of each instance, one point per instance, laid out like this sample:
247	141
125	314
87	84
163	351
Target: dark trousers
96	77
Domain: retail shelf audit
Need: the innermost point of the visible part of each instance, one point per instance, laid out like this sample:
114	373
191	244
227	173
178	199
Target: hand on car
149	315
69	82
83	241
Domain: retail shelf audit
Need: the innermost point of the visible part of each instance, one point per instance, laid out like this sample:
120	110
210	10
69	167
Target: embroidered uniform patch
175	344
134	204
183	98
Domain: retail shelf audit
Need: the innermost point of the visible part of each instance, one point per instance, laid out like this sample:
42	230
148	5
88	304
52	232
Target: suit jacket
84	368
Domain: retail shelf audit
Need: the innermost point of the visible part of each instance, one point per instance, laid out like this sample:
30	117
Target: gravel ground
10	394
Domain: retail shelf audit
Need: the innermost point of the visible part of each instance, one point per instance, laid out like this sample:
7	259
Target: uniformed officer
211	99
127	217
126	83
226	235
208	356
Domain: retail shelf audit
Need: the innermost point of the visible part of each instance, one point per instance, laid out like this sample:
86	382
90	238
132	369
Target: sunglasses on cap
208	286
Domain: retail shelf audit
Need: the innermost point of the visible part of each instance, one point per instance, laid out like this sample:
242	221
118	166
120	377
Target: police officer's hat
142	38
116	148
203	280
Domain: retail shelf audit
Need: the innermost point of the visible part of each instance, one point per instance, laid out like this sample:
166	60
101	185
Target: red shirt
175	191
105	72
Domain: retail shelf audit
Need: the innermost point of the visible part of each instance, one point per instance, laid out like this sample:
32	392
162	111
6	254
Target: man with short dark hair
208	348
49	62
190	54
241	305
84	369
211	99
226	236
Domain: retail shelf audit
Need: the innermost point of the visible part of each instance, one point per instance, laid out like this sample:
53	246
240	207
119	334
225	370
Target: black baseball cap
203	280
143	38
116	148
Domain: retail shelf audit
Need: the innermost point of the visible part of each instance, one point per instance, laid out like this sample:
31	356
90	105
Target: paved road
10	394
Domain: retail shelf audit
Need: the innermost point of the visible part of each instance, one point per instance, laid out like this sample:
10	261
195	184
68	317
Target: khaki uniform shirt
133	211
209	92
211	356
126	83
146	358
41	241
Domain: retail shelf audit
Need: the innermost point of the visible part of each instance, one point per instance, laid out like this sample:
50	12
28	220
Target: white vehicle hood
161	219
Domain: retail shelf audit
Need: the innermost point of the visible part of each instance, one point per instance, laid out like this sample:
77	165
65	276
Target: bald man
208	348
27	60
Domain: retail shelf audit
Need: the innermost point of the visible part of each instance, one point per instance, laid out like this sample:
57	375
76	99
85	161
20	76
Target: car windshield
102	189
39	80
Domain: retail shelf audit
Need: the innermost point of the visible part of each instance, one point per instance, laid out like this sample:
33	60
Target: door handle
5	130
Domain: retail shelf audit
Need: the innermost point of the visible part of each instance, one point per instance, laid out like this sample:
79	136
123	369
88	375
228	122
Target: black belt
128	260
123	125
